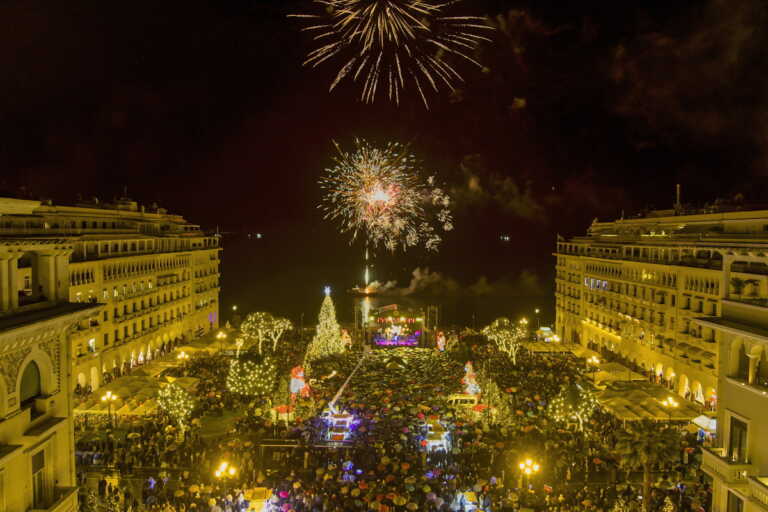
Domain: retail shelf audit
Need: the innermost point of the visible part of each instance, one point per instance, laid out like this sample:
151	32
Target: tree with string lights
176	402
507	336
249	377
327	340
573	403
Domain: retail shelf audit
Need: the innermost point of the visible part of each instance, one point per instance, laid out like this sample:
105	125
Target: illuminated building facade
683	295
155	276
37	466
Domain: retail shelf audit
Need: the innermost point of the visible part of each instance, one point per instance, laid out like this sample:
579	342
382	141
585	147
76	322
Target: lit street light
670	403
538	320
593	362
225	471
527	468
109	397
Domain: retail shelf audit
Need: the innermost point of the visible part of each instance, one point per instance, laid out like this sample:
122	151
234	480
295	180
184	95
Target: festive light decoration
573	403
389	42
246	377
298	384
470	380
176	402
327	339
381	193
261	325
507	336
276	329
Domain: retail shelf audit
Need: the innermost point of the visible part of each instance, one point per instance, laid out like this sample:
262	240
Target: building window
106	315
737	441
27	282
30	388
38	479
106	339
735	504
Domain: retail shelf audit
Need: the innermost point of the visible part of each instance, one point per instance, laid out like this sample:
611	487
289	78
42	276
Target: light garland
572	403
251	378
176	402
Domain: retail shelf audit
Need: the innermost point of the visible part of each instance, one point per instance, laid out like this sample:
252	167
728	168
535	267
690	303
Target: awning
706	423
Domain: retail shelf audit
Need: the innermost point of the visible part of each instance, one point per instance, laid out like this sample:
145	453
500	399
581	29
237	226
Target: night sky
585	109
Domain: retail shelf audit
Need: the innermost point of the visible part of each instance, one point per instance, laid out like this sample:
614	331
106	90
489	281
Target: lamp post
593	362
538	321
221	336
182	358
225	470
109	397
670	403
527	467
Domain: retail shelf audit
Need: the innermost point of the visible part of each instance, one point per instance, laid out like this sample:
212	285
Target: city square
384	256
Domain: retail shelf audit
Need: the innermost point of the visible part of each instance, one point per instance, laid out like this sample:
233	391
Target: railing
714	462
758	488
65	500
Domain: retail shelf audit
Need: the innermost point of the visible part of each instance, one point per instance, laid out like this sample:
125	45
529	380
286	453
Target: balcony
65	500
758	488
716	465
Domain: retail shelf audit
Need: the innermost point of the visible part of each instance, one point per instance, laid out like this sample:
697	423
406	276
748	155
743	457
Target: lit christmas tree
251	378
327	340
176	402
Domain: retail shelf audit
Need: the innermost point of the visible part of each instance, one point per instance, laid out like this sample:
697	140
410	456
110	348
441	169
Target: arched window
30	384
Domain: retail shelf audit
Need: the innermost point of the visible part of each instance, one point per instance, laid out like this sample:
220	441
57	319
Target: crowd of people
409	447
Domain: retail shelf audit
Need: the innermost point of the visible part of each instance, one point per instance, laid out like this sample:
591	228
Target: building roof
738	328
15	321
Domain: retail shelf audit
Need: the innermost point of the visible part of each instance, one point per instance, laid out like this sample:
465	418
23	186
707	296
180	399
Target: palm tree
644	445
738	285
755	284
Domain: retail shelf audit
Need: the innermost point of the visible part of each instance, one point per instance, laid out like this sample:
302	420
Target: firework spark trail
393	40
381	193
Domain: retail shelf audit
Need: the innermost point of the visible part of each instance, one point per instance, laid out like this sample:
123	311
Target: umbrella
133	435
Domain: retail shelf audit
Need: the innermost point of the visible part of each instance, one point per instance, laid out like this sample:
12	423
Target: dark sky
585	109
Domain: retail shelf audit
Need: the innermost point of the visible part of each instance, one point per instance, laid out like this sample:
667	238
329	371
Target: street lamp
182	357
234	308
225	471
670	403
109	397
538	321
594	361
221	336
527	467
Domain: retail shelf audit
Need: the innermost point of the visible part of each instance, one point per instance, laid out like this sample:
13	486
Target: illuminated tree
251	378
276	329
573	403
644	445
507	336
255	328
327	340
176	402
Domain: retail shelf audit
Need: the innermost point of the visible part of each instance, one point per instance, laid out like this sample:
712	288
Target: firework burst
388	43
381	193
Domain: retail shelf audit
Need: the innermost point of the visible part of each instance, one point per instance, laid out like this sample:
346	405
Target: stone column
5	297
62	275
46	271
752	372
13	281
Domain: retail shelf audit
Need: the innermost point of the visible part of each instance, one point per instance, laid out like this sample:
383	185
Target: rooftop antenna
678	205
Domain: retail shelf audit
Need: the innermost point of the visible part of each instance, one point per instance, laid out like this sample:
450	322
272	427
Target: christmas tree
327	340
